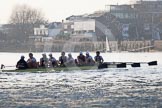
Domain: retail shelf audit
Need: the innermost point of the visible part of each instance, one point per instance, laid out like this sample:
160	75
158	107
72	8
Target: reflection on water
132	87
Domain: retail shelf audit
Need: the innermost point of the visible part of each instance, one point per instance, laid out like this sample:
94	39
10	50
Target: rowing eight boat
101	66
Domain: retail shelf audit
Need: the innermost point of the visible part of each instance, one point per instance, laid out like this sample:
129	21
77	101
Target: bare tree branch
24	18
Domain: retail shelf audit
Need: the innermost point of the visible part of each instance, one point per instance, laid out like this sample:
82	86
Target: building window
46	32
38	32
72	26
65	31
65	26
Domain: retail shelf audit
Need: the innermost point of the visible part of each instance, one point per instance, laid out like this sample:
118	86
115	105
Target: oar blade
122	65
112	65
152	63
136	65
102	66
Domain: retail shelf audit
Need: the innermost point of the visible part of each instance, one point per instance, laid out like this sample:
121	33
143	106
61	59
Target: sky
57	10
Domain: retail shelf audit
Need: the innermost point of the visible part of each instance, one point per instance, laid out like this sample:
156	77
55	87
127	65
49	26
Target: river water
107	88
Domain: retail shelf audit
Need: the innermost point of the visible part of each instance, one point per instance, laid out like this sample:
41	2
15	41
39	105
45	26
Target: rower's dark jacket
22	64
81	58
43	62
62	60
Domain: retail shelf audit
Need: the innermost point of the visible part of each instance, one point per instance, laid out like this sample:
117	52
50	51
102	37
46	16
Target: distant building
80	26
84	26
54	29
142	20
5	30
125	13
126	16
104	25
149	16
77	17
68	27
139	20
91	25
46	32
41	31
40	34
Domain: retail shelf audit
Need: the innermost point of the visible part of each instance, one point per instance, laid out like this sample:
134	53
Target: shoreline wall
58	46
158	45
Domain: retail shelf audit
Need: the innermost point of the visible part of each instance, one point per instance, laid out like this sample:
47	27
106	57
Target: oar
123	64
149	63
112	65
136	65
152	63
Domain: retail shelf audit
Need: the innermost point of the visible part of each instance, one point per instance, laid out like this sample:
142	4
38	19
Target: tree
25	18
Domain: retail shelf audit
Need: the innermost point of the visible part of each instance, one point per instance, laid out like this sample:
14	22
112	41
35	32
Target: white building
80	27
68	27
40	34
41	31
84	26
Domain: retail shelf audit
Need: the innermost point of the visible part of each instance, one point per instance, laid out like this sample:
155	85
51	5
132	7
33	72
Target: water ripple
94	88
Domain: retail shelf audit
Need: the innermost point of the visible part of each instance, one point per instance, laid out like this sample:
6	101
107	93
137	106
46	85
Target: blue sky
56	10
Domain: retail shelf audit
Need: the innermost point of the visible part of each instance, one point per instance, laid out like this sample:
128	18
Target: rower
70	60
32	63
89	59
44	61
98	58
22	64
81	59
62	59
52	61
